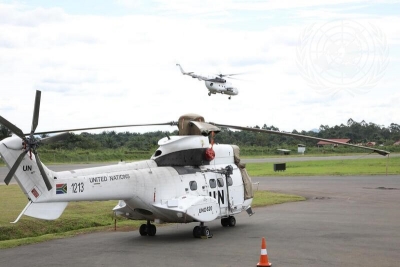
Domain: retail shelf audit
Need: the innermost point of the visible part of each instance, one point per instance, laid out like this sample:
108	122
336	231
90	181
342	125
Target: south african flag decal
61	189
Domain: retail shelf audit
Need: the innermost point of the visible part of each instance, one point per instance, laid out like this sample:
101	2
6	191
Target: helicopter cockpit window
220	182
213	183
229	181
158	153
193	185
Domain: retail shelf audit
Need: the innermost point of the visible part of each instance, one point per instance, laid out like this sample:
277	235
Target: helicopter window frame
193	185
213	183
220	182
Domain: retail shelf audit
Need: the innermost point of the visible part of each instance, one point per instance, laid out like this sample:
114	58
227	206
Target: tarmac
345	221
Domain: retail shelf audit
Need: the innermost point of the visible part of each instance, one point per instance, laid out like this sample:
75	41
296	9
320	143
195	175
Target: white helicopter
189	178
215	83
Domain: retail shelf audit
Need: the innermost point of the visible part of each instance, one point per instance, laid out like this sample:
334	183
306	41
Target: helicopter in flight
216	84
189	178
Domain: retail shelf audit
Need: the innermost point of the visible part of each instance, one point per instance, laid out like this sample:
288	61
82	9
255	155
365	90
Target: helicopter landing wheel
209	94
229	98
201	231
197	231
205	231
143	230
231	221
151	230
225	222
148	229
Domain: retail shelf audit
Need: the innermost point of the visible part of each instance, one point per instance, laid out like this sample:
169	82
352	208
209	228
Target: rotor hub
31	143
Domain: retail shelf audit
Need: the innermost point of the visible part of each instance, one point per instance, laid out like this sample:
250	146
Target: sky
305	63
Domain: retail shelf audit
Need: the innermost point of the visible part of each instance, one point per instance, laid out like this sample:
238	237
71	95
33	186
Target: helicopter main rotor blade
35	118
105	127
12	127
381	152
55	138
231	74
42	171
239	79
14	167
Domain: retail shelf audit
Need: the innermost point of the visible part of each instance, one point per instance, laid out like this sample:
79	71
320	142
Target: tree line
357	132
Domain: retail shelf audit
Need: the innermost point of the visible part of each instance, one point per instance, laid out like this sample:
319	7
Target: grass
329	167
266	198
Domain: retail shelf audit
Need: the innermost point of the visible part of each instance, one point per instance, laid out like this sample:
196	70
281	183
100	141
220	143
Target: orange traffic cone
264	255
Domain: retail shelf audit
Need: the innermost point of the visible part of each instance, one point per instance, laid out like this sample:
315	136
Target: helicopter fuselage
221	88
191	189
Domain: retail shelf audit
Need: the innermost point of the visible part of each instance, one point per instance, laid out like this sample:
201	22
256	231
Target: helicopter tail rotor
30	143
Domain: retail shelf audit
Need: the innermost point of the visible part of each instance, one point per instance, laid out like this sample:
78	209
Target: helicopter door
217	189
222	196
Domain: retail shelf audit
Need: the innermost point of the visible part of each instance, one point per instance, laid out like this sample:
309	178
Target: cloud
96	69
27	17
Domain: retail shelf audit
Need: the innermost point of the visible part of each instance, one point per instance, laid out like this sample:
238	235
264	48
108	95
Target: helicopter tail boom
183	72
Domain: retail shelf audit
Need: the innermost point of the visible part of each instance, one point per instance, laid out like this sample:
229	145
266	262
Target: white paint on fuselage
139	185
221	88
